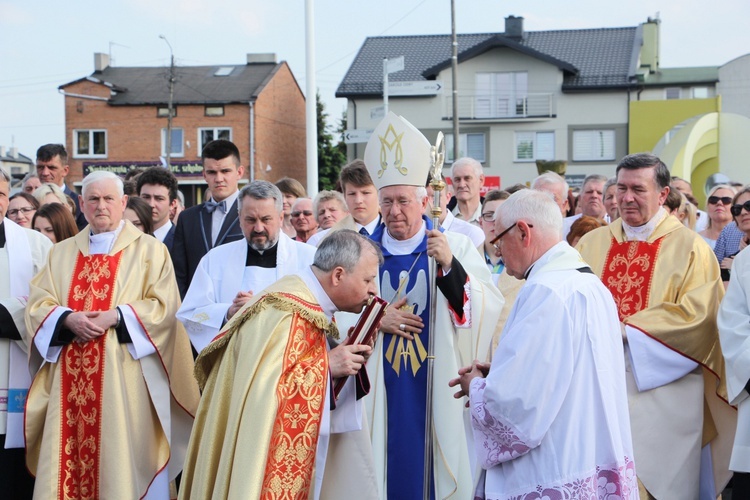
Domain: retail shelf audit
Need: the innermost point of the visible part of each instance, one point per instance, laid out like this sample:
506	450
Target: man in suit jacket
158	187
52	166
215	222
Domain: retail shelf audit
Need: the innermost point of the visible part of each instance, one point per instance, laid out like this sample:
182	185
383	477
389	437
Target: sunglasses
737	209
725	200
306	213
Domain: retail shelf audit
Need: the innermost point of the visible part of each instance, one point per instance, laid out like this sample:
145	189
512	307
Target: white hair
548	178
324	196
466	161
537	208
102	175
4	175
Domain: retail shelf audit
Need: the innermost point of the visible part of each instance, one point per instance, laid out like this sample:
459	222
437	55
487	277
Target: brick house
116	118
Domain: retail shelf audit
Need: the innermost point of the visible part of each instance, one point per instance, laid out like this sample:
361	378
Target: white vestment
221	273
460	226
734	333
551	418
24	255
454	347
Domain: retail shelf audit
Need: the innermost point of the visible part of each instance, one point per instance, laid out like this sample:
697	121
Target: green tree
331	157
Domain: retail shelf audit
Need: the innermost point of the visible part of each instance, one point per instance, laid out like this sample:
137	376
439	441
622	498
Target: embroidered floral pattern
500	442
300	395
82	368
627	274
613	482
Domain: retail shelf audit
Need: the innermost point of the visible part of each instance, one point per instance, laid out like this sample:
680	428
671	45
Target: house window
206	135
700	92
501	95
593	145
178	148
90	143
163	111
471	145
214	111
531	146
672	93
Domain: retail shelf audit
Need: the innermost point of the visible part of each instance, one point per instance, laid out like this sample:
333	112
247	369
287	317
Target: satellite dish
715	180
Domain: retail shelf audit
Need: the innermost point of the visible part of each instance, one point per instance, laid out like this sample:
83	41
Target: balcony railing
493	107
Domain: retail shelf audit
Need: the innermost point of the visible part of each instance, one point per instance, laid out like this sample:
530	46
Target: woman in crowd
139	213
581	227
609	199
719	214
21	209
291	189
741	215
50	193
55	221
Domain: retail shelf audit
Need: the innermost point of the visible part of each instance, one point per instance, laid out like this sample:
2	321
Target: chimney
101	61
269	57
14	152
514	27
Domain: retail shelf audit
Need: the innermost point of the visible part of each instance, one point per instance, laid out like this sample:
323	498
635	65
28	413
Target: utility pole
171	102
454	75
311	110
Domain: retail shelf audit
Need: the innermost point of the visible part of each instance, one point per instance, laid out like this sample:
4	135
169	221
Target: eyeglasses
725	200
737	209
494	241
306	213
488	216
25	210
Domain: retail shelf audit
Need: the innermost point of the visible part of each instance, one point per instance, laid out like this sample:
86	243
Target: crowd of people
536	344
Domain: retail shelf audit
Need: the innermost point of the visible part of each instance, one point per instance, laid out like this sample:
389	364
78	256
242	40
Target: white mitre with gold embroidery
397	154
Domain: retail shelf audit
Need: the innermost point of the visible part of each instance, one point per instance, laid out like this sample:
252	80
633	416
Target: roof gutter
82	96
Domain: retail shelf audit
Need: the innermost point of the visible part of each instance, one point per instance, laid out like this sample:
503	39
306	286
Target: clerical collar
642	233
2	234
404	247
102	243
324	301
266	258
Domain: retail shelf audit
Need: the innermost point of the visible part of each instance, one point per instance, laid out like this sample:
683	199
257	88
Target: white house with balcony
522	95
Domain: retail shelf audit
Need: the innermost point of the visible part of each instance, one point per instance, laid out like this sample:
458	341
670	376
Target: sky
46	43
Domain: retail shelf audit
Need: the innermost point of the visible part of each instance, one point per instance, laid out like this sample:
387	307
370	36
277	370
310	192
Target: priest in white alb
229	275
550	414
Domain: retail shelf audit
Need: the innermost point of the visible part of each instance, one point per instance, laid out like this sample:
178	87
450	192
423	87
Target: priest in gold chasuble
264	419
110	410
666	283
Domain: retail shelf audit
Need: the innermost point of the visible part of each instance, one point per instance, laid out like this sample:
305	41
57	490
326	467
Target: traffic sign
424	87
357	135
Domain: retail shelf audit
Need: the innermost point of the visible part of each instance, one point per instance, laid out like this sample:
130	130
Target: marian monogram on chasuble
628	270
400	351
300	395
83	379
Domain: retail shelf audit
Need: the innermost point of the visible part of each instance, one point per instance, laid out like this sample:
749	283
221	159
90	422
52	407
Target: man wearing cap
398	159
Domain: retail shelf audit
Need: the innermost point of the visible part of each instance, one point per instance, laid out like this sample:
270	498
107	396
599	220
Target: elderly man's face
260	222
355	288
558	194
303	217
402	211
329	213
592	199
103	205
31	185
466	183
638	195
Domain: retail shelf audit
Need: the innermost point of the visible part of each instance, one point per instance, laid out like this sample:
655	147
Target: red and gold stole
82	367
300	396
628	271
